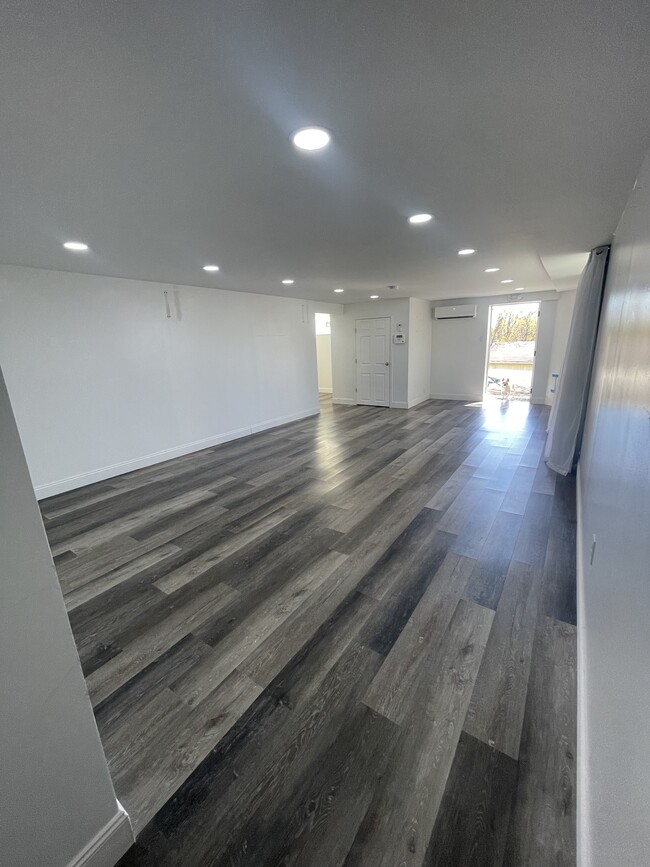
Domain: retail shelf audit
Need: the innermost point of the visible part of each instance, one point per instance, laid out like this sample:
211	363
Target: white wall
343	348
103	382
458	355
56	794
324	360
543	350
563	314
614	592
459	347
419	351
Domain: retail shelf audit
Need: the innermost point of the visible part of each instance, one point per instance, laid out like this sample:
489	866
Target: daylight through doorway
512	336
324	353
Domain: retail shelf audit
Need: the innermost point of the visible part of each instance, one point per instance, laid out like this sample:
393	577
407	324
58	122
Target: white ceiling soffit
159	134
565	269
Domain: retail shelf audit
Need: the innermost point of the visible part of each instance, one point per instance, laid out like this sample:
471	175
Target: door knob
386	363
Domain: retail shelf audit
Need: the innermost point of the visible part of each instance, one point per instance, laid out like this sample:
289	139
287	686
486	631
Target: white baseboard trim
50	489
418	401
343	401
474	398
284	419
109	844
399	404
325	390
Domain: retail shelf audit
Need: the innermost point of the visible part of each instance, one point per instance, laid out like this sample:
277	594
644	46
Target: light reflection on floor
504	415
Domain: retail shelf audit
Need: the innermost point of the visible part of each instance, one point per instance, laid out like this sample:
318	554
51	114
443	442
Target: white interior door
373	361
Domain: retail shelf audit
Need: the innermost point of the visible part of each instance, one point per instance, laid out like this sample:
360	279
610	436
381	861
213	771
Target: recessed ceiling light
339	290
374	296
311	138
521	289
507	281
210	267
467	252
420	218
287	282
77	246
491	270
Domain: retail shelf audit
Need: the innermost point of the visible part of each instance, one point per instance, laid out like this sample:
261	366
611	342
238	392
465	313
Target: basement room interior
324	434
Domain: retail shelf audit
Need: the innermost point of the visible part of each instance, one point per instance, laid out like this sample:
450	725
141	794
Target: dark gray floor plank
559	580
391	691
535	528
493	560
477	528
315	820
542	826
472	822
496	711
400	819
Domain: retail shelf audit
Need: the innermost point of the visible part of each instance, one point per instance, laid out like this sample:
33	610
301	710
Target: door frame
487	341
390	361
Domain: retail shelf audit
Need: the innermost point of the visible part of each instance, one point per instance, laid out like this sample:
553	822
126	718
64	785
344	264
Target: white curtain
568	413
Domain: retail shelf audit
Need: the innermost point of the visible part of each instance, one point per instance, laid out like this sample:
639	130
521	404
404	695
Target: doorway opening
324	353
512	338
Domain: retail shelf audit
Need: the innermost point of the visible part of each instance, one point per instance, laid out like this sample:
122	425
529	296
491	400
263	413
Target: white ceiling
158	132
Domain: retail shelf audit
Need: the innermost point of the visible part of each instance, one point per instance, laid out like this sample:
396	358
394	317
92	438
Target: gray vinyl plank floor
346	641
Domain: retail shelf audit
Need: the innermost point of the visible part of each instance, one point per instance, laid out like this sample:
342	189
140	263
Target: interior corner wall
614	589
56	795
344	345
419	351
459	348
106	376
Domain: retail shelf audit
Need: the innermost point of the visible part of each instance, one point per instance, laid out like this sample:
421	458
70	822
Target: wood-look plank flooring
346	641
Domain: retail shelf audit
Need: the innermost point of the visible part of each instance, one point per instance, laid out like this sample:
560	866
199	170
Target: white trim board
108	472
109	843
418	401
325	390
350	401
284	419
473	397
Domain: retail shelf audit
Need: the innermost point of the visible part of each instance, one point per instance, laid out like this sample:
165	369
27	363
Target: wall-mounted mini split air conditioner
459	311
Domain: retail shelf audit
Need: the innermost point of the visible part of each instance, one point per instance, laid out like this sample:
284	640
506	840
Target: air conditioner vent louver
459	311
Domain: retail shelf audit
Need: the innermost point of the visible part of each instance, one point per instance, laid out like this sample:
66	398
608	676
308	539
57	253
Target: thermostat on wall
399	338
